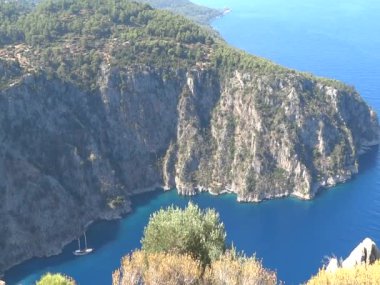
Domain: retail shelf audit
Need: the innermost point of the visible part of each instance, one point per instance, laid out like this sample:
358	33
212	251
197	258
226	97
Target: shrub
190	231
237	269
141	268
55	279
157	268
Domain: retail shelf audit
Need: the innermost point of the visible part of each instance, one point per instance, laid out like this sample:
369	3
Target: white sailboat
85	250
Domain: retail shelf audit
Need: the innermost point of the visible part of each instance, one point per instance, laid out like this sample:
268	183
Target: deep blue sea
338	39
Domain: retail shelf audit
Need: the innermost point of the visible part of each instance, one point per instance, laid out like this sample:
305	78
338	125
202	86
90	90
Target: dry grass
363	275
172	269
157	269
238	270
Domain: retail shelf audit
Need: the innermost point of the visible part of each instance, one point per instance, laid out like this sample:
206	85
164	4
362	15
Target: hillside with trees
197	13
71	38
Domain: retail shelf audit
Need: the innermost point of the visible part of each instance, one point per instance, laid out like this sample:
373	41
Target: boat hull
80	252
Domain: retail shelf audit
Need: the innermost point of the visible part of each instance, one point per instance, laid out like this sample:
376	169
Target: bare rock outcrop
333	265
264	137
365	253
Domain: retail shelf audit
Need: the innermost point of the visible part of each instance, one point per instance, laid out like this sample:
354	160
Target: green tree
189	231
55	279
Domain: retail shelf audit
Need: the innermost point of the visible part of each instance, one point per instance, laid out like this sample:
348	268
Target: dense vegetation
10	13
51	20
71	38
186	8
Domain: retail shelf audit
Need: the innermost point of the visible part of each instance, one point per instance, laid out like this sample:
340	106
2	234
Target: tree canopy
72	38
193	231
55	279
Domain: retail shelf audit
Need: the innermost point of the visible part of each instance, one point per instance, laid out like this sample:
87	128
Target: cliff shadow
143	199
369	159
98	235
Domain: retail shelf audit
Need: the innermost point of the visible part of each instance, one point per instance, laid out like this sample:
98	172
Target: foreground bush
141	268
55	279
157	268
190	231
233	269
363	275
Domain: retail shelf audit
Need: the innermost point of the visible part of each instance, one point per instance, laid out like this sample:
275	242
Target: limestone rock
333	265
365	253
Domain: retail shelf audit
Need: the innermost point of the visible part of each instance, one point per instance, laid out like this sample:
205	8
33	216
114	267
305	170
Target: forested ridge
71	39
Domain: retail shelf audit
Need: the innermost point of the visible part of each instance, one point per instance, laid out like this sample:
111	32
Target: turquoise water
337	39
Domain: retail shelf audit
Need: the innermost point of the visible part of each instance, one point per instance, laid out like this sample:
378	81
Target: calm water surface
338	39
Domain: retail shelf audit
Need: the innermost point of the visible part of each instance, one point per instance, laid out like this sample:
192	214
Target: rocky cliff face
267	136
68	157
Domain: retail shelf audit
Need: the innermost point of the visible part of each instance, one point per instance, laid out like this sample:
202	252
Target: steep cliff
269	135
89	120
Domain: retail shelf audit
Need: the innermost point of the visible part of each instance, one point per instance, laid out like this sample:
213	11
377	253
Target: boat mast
85	241
79	243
